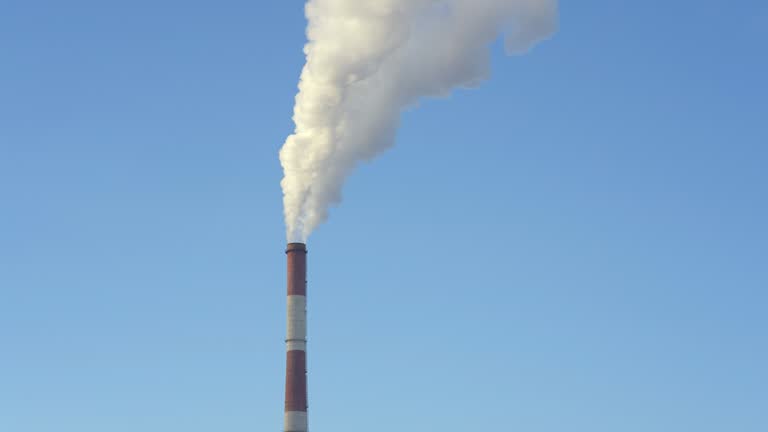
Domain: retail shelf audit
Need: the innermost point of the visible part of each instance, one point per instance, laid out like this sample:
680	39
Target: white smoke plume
369	59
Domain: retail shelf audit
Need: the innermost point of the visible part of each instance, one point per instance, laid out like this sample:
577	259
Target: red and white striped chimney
296	340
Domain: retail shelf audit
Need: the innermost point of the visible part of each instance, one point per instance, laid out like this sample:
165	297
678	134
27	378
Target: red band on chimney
297	269
296	381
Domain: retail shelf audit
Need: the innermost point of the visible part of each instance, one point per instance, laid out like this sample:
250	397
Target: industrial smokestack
296	340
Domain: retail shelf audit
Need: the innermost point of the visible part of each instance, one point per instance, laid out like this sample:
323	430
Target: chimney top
296	247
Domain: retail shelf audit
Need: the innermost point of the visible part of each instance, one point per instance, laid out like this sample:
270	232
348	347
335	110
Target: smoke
366	61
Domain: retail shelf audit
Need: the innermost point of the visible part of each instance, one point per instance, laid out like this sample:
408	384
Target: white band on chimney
297	323
295	421
295	345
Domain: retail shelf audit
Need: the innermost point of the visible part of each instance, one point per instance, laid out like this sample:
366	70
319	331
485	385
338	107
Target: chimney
296	340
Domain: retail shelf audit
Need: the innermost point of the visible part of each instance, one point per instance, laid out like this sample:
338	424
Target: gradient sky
578	245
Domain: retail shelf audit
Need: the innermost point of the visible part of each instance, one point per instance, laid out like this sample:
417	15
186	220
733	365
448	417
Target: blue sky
579	244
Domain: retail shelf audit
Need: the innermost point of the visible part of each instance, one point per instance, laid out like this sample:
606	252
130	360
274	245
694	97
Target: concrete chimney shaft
296	340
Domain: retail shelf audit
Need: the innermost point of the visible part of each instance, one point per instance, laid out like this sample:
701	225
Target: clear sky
578	245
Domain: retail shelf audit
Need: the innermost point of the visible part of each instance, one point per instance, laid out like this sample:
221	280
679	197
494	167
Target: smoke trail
366	61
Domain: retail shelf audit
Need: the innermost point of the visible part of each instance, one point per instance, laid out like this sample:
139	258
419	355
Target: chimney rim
296	247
